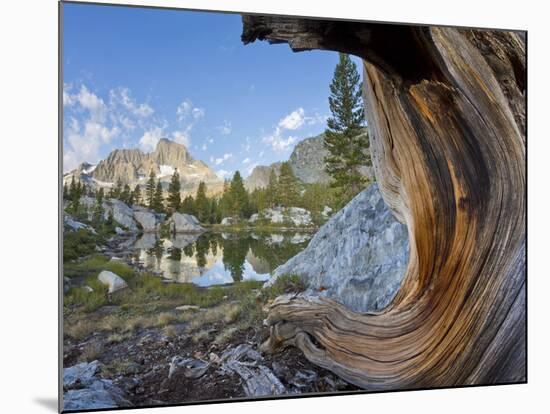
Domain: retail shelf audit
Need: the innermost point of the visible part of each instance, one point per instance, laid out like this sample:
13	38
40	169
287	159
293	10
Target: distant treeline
284	190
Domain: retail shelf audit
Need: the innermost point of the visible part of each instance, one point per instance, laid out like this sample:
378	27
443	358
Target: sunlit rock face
358	257
291	216
307	162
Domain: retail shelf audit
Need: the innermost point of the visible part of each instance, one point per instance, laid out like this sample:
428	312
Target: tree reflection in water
241	253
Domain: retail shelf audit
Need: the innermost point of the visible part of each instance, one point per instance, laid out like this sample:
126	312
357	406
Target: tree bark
446	114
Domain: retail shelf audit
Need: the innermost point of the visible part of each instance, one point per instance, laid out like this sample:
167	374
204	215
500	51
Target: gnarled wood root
446	114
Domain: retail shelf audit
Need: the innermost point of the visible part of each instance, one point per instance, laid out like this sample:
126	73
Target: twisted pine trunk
446	113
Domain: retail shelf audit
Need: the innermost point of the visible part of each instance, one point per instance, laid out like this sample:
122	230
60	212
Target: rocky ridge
307	161
132	167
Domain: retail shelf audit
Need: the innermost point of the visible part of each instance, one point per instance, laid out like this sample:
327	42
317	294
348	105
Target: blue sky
133	76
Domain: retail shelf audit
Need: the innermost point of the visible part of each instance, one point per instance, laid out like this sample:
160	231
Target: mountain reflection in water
217	258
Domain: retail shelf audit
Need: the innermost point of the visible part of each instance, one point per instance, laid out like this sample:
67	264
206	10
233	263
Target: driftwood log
446	114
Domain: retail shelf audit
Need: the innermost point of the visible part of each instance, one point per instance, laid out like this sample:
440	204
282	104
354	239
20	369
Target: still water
217	258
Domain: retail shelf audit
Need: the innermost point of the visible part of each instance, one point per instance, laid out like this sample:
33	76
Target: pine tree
78	190
117	190
344	139
174	197
110	222
272	188
201	203
74	196
213	216
125	194
158	199
150	190
188	205
98	208
136	195
65	191
239	197
225	203
287	188
72	188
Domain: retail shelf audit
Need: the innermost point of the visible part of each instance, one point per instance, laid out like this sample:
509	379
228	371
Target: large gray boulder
358	257
184	223
80	374
83	390
121	213
146	219
112	280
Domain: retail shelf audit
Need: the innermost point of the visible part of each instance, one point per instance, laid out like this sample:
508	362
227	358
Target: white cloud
93	104
316	119
204	147
93	130
225	129
85	143
68	99
294	120
94	126
223	174
251	167
186	110
278	143
246	160
181	137
197	113
224	157
150	139
123	97
126	123
291	122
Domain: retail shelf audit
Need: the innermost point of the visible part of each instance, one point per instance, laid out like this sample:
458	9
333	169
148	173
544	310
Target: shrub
285	284
78	243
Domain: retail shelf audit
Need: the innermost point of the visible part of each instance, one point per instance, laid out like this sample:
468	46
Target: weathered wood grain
446	114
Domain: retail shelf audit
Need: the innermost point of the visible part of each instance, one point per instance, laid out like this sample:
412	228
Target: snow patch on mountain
165	170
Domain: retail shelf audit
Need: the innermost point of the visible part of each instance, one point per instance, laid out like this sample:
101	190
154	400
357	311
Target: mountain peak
167	142
171	153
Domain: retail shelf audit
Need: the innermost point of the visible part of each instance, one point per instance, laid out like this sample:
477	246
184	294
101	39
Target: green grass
148	302
143	288
251	307
79	243
284	284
